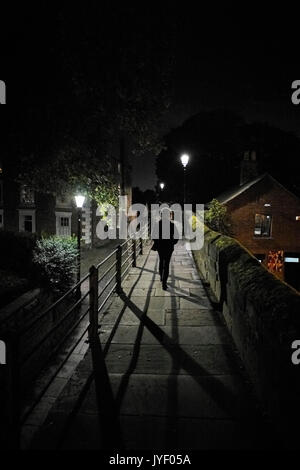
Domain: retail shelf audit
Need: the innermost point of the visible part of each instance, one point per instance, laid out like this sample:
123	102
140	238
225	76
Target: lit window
298	218
267	205
275	261
291	260
262	225
63	224
27	195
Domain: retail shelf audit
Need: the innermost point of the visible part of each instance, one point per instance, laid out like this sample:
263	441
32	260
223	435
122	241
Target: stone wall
263	316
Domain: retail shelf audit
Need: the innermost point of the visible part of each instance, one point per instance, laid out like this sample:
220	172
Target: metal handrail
135	247
125	271
129	248
107	284
126	260
107	258
107	297
54	305
50	381
106	272
54	328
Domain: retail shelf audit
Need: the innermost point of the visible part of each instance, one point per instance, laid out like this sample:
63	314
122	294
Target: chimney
249	167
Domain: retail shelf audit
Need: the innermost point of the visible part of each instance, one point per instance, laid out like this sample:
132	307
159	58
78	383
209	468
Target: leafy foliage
56	258
196	223
108	80
216	217
71	167
118	69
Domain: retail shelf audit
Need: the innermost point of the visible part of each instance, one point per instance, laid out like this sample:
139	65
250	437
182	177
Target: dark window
64	221
262	225
28	223
1	192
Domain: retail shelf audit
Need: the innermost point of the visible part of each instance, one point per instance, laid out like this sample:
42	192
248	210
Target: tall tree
100	72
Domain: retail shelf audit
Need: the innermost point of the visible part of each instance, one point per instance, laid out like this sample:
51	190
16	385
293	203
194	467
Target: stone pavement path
172	380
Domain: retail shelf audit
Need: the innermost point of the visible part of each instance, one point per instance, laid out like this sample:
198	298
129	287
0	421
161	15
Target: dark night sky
236	56
244	60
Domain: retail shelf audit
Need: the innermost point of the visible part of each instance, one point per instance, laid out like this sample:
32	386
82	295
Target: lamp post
184	160
79	199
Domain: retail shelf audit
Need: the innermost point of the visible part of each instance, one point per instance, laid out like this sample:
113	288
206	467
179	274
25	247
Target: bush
216	217
16	252
55	258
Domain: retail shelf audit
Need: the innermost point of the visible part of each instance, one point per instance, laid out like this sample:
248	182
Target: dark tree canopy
95	73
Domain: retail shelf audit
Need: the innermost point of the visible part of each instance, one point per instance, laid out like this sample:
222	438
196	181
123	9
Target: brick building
265	218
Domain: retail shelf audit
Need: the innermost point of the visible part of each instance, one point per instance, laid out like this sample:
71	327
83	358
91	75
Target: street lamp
184	160
79	199
160	190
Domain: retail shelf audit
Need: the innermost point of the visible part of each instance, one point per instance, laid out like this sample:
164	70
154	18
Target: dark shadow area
136	350
107	405
174	278
172	390
223	397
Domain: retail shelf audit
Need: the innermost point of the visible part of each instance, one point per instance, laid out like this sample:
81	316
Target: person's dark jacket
166	245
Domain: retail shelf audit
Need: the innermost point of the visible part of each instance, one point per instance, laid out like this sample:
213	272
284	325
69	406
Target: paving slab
128	318
193	317
174	379
187	360
214	397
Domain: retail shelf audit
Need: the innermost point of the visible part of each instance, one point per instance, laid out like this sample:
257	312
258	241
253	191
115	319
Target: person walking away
165	247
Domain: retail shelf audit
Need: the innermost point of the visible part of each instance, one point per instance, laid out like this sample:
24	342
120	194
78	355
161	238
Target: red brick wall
285	234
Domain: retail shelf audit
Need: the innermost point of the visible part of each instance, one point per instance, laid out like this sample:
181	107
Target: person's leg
161	264
166	265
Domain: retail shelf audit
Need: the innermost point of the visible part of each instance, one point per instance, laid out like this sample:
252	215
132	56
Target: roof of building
236	191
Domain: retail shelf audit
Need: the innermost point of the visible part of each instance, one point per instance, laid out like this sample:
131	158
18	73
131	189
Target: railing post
134	253
93	311
13	390
119	269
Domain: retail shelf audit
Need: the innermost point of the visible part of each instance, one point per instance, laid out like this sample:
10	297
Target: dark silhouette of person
165	248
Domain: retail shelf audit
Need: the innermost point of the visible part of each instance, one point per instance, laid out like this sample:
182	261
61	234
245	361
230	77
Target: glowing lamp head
184	159
162	185
79	199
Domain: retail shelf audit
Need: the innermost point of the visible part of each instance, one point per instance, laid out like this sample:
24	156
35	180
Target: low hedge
55	259
16	251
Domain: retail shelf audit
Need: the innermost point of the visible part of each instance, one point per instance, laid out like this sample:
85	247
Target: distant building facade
25	210
265	218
